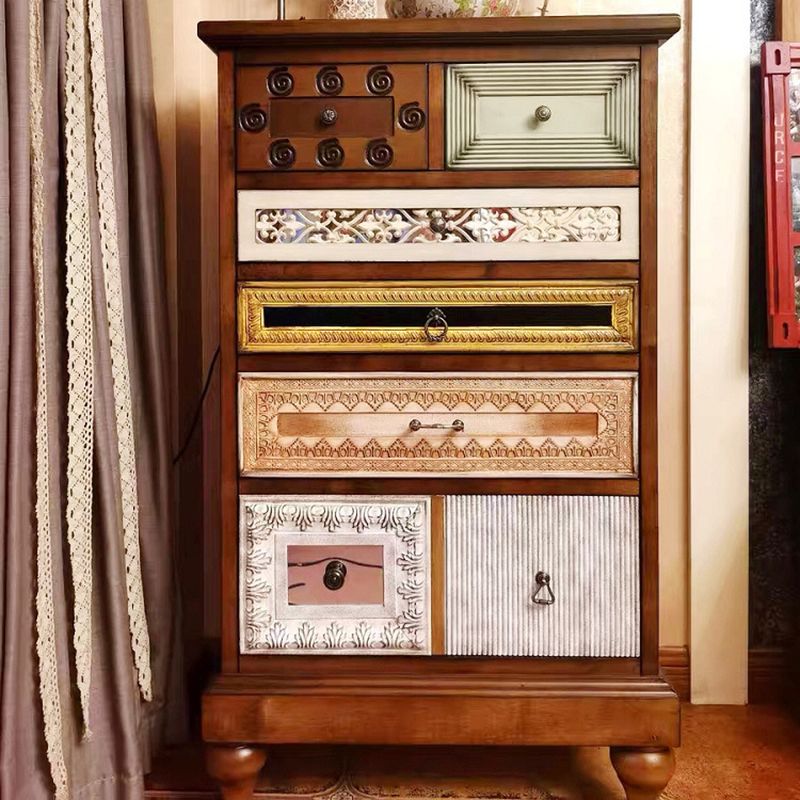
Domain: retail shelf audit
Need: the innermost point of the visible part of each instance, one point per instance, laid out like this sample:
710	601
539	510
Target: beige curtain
124	728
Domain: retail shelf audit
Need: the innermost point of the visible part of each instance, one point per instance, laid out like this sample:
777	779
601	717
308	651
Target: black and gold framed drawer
535	316
332	117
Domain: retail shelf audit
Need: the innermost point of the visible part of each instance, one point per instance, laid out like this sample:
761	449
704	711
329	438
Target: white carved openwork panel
438	224
334	574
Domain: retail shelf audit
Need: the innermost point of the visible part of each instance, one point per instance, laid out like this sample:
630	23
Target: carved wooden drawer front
455	424
542	576
579	114
329	117
476	316
334	574
438	224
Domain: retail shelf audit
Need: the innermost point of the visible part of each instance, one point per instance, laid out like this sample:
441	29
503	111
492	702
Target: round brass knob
328	115
335	573
543	113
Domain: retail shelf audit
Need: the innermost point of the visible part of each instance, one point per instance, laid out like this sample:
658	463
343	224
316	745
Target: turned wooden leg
643	771
235	769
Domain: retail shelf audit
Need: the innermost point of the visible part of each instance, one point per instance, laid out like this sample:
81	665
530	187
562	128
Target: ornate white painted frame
269	524
439	224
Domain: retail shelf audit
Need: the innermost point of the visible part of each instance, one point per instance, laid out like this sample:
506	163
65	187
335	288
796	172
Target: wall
718	298
186	97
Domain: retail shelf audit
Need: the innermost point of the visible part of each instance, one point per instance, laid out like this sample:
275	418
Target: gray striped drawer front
589	548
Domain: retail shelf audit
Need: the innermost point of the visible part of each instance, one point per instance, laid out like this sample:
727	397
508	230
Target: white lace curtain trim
85	54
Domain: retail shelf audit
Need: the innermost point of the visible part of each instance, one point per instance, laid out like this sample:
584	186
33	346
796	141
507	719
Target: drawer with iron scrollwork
529	316
553	224
336	575
332	117
453	424
542	575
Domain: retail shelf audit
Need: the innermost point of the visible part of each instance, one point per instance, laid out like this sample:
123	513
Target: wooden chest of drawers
438	361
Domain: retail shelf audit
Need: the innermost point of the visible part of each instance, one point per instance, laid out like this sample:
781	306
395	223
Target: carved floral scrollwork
495	225
610	449
329	81
379	153
619	335
253	118
281	154
380	80
280	82
330	153
411	117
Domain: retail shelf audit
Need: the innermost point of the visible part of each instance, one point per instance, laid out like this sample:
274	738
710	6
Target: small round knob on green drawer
328	115
543	113
335	573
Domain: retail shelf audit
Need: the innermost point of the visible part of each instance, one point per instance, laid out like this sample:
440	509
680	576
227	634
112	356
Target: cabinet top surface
606	29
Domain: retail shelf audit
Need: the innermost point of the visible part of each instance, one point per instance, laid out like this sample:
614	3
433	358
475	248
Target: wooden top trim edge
605	29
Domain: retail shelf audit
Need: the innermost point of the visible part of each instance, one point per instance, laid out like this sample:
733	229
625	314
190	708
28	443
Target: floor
728	753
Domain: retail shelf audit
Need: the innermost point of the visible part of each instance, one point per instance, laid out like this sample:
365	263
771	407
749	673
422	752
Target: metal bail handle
436	325
543	585
456	425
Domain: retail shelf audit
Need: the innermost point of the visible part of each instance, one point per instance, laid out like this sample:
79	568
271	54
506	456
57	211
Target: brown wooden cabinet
438	352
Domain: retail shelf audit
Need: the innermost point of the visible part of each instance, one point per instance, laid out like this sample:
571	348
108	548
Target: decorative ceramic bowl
452	8
352	9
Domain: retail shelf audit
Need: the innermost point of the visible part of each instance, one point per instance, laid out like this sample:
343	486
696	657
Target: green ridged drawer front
571	114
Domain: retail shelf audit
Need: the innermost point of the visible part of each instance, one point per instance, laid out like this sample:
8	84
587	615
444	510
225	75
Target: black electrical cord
198	410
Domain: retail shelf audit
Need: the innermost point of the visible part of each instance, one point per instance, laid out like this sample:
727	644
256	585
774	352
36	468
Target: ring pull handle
436	325
455	425
543	113
543	594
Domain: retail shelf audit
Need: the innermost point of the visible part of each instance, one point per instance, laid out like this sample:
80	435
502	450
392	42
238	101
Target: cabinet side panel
648	386
227	365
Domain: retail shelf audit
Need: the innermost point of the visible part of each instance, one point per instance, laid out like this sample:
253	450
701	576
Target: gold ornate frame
620	296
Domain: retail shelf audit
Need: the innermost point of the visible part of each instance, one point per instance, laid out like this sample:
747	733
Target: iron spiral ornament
329	81
330	153
280	82
252	118
281	154
379	153
411	117
380	80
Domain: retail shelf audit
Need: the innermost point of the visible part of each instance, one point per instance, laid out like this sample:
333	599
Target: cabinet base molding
769	675
674	661
447	709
